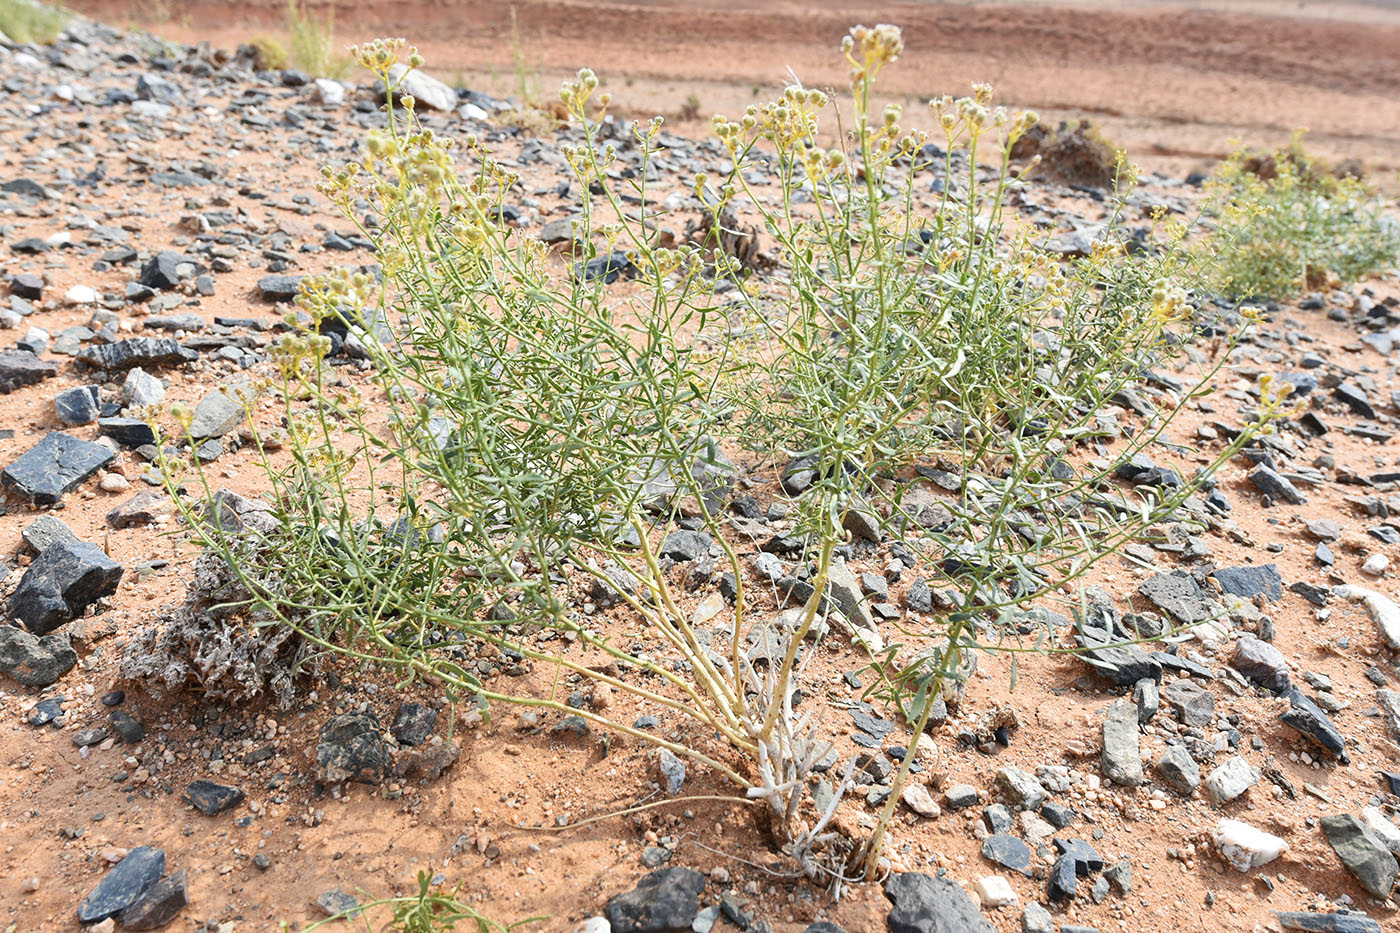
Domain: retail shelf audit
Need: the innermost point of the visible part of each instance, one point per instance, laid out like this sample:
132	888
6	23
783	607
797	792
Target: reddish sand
1173	83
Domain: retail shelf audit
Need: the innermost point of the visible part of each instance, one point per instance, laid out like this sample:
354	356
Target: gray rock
77	406
1261	663
1036	919
1275	486
161	904
32	660
153	87
665	901
927	904
1249	582
1020	787
1148	699
127	432
1308	718
1194	704
140	388
1121	758
413	723
336	901
1231	779
961	796
1178	770
123	885
211	798
1327	923
919	598
1008	852
683	546
46	530
1178	595
428	92
672	770
136	351
844	590
279	287
19	368
352	749
1362	852
215	416
62	582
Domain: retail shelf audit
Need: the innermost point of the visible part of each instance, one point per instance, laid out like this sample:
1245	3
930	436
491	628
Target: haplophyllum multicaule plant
507	449
950	335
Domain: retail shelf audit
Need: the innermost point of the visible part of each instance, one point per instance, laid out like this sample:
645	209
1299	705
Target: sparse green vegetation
432	909
522	465
1285	224
31	21
313	47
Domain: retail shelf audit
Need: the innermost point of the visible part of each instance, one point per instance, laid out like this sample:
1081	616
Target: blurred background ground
1171	82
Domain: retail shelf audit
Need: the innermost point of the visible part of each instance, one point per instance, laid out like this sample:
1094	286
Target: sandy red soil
1173	83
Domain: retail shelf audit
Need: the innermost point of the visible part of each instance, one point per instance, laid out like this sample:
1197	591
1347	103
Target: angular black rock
1309	719
161	904
1327	923
128	432
20	368
1248	582
34	661
1008	852
665	901
1275	486
352	749
210	798
146	352
279	287
123	885
61	582
77	405
1178	595
413	723
928	904
131	731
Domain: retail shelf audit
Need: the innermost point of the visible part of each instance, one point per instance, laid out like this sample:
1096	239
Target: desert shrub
526	438
1285	224
312	38
1074	153
271	53
31	21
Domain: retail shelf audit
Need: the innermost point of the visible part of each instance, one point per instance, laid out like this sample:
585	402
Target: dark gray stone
928	904
1178	595
19	368
162	271
1249	582
146	352
683	546
211	798
1271	484
1178	770
279	287
352	749
1008	852
53	467
665	901
1327	923
1308	718
62	582
77	406
131	731
1261	663
1194	704
161	904
32	660
128	432
1362	852
215	416
413	723
123	885
1121	757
